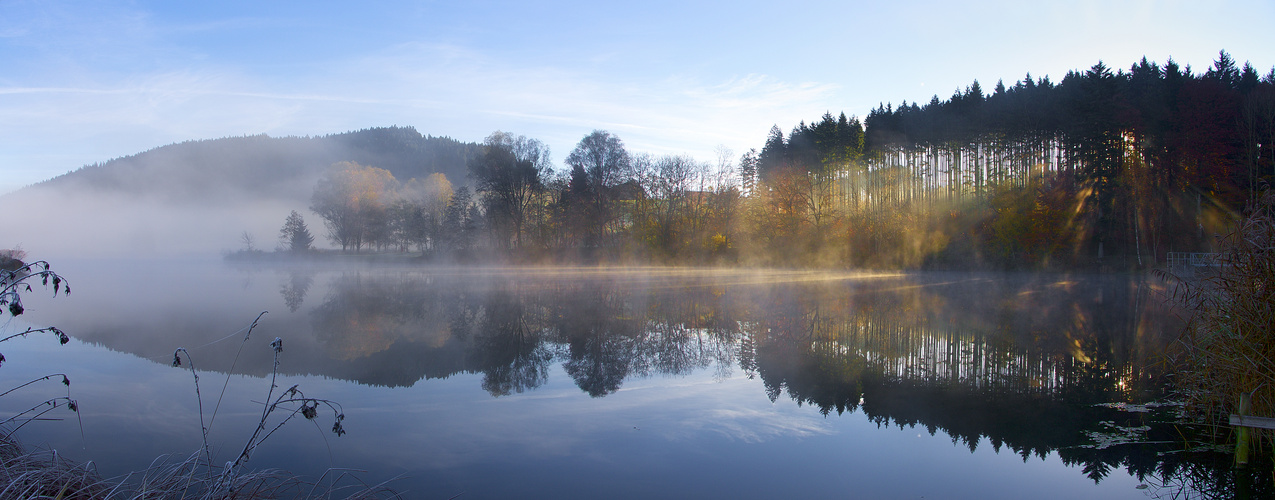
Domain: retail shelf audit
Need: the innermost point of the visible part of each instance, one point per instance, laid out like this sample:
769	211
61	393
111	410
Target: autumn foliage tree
417	214
353	200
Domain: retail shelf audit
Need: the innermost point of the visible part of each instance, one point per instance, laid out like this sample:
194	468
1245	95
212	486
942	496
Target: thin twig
232	368
198	397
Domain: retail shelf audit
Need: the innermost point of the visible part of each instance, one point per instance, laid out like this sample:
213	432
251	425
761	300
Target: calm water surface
629	383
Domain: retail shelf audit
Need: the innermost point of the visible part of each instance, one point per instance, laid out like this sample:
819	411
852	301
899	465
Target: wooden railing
1244	422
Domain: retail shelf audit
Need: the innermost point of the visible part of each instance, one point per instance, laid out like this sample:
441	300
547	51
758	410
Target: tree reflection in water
510	344
294	289
1019	362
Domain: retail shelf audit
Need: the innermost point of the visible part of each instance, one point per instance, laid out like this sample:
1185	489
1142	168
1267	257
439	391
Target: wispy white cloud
443	89
657	112
95	81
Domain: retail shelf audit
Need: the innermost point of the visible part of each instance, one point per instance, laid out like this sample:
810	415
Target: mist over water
197	198
469	306
86	224
630	381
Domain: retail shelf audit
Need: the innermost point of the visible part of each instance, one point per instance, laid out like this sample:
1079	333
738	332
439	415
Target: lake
623	382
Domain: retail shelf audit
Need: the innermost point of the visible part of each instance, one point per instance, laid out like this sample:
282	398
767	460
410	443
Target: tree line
1117	166
1113	167
609	203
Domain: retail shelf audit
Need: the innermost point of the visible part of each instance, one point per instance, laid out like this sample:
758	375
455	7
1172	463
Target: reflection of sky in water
690	437
694	436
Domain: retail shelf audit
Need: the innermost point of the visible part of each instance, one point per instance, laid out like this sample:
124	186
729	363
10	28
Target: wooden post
1241	434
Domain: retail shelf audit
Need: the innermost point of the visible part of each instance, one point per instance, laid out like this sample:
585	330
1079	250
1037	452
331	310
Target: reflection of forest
1086	341
1020	362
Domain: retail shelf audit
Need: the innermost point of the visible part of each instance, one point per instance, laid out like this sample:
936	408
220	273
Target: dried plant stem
45	475
54	330
308	408
199	398
277	345
51	404
231	371
41	379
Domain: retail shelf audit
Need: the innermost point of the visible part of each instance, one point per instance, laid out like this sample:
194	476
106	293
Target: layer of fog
75	222
199	198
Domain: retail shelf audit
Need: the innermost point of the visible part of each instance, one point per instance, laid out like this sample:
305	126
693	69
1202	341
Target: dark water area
632	382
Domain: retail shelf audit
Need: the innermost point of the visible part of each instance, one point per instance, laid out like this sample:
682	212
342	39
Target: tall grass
45	474
1228	345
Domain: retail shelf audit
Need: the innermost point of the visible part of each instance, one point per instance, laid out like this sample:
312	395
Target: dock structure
1243	422
1252	422
1192	261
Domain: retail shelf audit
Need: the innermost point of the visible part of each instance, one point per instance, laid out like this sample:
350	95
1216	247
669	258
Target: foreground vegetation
1228	349
43	474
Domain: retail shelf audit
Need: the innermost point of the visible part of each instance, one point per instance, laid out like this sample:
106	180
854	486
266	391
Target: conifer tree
294	234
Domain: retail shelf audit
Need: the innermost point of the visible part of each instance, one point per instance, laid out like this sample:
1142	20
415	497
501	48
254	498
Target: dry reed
1228	345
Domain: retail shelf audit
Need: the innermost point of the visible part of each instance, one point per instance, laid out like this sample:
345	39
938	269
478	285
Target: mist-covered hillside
203	197
264	166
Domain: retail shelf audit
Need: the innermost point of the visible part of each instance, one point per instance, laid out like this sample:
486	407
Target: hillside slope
264	166
199	198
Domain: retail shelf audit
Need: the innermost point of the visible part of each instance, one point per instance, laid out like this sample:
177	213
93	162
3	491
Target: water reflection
1015	362
1018	363
513	331
820	343
294	289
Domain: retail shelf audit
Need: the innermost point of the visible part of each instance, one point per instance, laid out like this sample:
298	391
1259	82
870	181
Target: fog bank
59	223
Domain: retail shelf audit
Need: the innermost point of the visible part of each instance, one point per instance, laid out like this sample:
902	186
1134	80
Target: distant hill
264	166
204	197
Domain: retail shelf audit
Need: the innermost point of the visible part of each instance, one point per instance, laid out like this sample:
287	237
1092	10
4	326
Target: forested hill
269	166
1105	165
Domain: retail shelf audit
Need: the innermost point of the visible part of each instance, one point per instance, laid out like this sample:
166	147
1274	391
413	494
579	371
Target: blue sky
83	82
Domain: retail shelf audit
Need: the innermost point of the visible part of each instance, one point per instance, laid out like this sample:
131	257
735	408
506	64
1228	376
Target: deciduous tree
508	174
598	163
352	201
